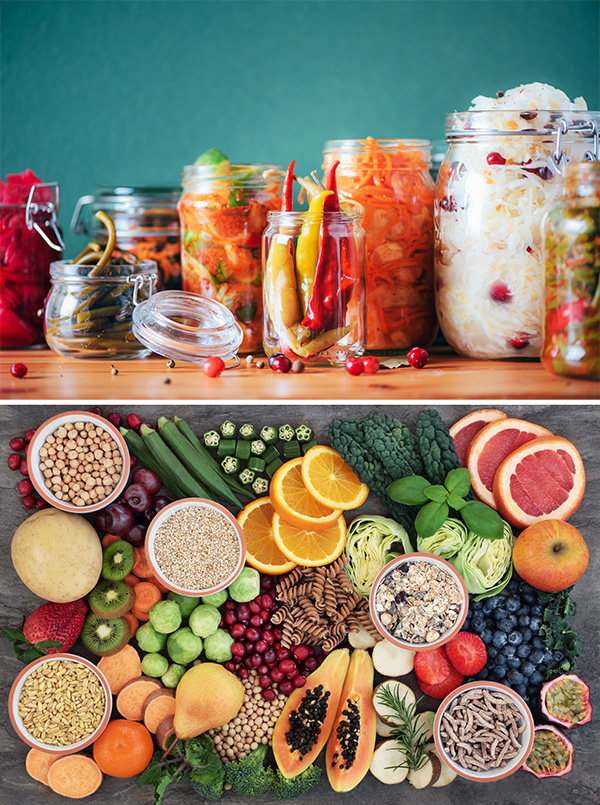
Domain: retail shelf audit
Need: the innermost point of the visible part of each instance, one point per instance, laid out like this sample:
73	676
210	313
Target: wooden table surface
446	377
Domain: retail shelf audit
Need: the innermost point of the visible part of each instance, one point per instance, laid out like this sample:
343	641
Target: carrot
74	776
158	705
131	698
37	764
132	621
146	595
122	667
160	585
108	539
141	567
141	616
132	580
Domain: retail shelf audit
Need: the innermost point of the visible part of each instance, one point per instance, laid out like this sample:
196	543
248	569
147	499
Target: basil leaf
455	501
436	492
49	644
458	481
409	490
482	520
430	518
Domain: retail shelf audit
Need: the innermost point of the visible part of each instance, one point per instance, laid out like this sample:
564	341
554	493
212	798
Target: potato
57	555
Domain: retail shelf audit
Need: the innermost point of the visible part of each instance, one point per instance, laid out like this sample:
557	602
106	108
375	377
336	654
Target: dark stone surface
581	424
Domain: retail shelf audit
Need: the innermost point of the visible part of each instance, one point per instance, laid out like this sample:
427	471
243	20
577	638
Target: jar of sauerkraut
501	170
392	182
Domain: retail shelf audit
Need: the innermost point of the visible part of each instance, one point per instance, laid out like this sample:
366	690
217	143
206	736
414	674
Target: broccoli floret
393	444
298	785
435	446
249	776
206	786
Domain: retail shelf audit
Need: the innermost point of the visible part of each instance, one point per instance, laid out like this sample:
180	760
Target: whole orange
124	749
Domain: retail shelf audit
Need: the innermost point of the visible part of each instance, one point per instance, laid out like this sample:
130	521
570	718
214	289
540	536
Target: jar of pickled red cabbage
501	170
223	214
391	180
572	273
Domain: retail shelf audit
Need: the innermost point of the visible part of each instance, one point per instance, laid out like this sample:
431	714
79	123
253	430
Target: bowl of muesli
418	601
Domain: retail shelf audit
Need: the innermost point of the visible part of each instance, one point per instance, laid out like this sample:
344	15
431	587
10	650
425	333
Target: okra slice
257	464
228	429
273	467
246	476
292	449
226	447
242	450
286	433
304	433
247	432
271	453
230	464
212	438
257	447
260	486
307	445
269	434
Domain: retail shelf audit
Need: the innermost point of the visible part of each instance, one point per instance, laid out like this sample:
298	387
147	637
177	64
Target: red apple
550	555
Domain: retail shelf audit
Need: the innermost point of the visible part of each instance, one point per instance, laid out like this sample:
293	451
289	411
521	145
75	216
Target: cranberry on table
238	650
243	672
148	479
28	501
265	681
266	601
355	366
30	434
256	660
286	687
237	630
23	467
229	666
371	364
277	674
134	421
41	504
280	363
283	653
310	663
266	582
254	606
252	634
520	341
116	419
299	681
18	370
18	443
230	618
300	652
213	366
278	633
261	646
269	657
14	461
257	620
242	612
267	636
268	694
417	357
97	410
25	487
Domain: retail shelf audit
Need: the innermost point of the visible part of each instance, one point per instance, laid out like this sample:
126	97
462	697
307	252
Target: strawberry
49	629
440	691
467	653
432	667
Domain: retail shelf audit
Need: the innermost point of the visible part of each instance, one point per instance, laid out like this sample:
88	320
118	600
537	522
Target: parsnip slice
447	774
424	721
362	639
391	660
387	755
402	691
384	730
428	775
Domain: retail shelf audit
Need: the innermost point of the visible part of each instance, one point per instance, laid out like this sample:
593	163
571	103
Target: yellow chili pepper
307	248
280	285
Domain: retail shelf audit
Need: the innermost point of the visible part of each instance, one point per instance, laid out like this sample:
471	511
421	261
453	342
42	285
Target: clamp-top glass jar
499	174
146	222
572	271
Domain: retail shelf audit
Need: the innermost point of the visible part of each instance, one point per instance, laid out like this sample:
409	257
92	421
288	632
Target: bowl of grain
78	462
418	601
484	731
195	547
60	703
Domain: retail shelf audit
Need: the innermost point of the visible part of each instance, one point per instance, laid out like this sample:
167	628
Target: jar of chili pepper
571	237
223	211
392	182
29	241
146	223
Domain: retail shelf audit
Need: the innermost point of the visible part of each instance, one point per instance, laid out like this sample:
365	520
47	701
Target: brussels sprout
154	665
149	639
187	603
171	678
246	586
204	620
217	647
216	599
183	646
165	616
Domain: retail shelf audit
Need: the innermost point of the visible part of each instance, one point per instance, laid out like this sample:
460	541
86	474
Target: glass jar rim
65	270
283	217
476	122
244	174
362	146
137	193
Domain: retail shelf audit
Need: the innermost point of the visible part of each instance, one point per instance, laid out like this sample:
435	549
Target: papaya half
305	722
352	742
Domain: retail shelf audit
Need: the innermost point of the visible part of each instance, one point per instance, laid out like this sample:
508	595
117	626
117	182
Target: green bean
110	245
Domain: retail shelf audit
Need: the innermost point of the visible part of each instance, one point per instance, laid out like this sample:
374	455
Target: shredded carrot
146	595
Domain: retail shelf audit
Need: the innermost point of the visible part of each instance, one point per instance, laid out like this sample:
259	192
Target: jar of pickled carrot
392	182
223	214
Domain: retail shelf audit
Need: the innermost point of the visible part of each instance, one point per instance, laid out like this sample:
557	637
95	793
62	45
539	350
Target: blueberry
536	678
495	601
523	620
524	609
523	650
487	607
548	657
538	642
528	598
500	613
484	673
526	634
527	669
513	662
524	587
475	605
509	651
558	655
492	652
499	671
515	677
499	639
536	656
490	623
478	624
532	692
515	638
512	586
537	610
507	624
501	658
521	690
486	636
513	603
534	623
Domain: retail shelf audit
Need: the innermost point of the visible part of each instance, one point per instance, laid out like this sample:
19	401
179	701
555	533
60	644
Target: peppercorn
170	363
297	367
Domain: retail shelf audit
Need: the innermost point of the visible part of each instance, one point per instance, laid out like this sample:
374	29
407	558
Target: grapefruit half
539	480
491	446
464	431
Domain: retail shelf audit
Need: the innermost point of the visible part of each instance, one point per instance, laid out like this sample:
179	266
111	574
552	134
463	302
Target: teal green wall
128	92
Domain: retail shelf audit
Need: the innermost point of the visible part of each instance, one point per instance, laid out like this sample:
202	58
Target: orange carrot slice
141	567
37	764
140	614
146	595
108	539
74	776
122	667
131	698
158	705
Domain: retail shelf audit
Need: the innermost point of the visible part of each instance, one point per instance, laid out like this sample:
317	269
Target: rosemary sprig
410	736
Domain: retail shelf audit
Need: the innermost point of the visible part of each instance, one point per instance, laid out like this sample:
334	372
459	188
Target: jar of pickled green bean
89	310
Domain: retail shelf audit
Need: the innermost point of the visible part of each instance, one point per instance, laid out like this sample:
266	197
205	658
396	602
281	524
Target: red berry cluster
17	460
258	645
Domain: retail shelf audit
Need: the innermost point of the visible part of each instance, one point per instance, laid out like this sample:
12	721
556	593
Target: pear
207	696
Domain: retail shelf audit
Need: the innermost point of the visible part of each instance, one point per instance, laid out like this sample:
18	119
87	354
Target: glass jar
313	286
89	310
146	222
222	220
571	234
29	241
500	172
392	182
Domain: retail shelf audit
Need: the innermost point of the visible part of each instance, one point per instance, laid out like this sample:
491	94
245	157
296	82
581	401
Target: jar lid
187	327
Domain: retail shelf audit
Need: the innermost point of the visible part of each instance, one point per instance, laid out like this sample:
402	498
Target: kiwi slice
117	560
111	599
104	636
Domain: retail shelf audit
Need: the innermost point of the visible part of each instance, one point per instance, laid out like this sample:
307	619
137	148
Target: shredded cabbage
368	545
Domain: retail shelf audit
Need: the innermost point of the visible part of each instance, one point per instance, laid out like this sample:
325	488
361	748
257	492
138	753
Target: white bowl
526	737
36	475
17	721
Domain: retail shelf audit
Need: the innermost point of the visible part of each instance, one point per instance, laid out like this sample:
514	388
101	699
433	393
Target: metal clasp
587	129
137	281
44	213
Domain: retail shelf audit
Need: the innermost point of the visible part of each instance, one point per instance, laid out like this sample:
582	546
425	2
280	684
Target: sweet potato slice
74	776
164	731
121	668
131	698
37	764
158	705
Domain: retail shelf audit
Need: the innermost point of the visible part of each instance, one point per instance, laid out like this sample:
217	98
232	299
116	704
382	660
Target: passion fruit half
552	753
566	701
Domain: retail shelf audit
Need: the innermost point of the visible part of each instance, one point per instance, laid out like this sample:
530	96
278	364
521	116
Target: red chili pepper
332	203
287	199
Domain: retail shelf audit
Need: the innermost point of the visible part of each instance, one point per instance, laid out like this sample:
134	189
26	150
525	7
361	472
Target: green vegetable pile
556	631
250	777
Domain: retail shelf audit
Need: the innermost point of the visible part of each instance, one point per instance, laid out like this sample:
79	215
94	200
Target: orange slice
294	503
262	552
330	480
310	548
541	479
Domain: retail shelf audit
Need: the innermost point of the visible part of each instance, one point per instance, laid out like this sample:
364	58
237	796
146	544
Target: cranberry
355	366
267	636
269	657
269	695
249	646
520	341
238	650
222	623
28	501
137	498
285	687
18	370
263	669
254	606
417	357
265	681
299	681
243	672
280	363
148	479
136	535
371	364
229	665
267	582
116	419
132	462
30	434
278	633
230	605
264	614
266	601
14	461
25	487
134	421
248	662
242	612
287	665
26	448
238	630
23	467
18	443
253	634
309	664
276	645
97	410
494	158
256	660
41	504
257	620
277	674
300	652
311	649
261	646
213	366
283	654
500	293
